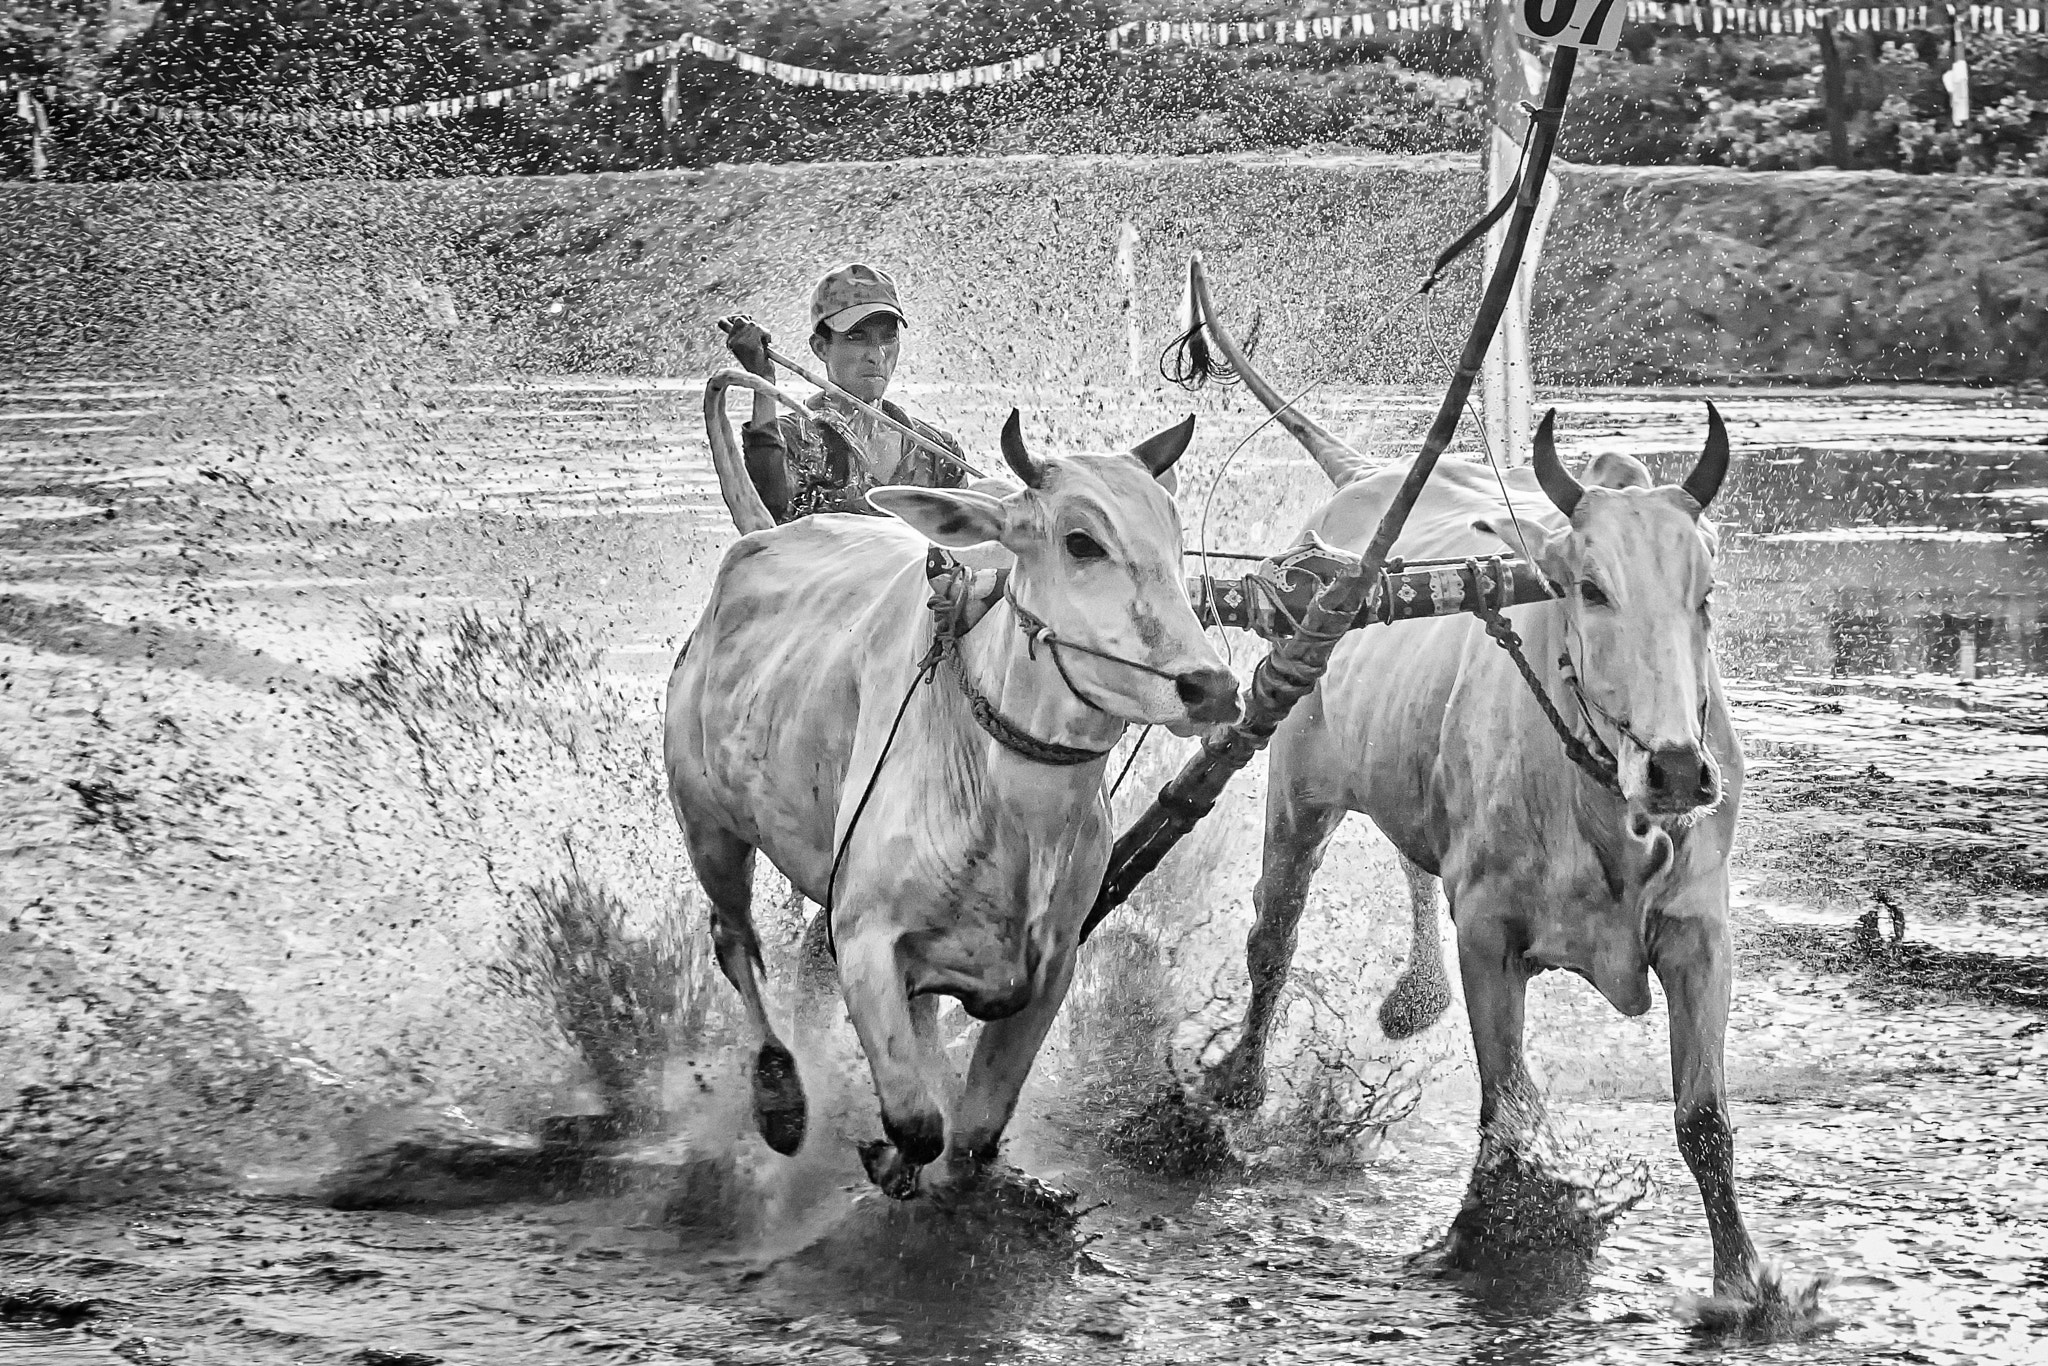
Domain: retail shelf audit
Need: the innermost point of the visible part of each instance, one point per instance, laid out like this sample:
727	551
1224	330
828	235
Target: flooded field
325	712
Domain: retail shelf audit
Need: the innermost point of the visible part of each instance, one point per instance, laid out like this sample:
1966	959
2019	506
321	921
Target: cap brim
846	319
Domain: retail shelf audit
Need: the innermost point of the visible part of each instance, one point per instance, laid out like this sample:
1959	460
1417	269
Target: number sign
1571	23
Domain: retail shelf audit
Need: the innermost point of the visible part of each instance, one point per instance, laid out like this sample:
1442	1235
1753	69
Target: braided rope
950	581
1598	765
1006	732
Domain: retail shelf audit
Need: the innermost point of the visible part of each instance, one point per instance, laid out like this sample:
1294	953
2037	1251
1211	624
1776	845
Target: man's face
862	359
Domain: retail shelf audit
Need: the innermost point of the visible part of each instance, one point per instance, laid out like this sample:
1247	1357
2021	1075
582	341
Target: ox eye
1082	546
1592	594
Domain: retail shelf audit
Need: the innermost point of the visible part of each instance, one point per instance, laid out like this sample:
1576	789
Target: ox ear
1158	451
953	518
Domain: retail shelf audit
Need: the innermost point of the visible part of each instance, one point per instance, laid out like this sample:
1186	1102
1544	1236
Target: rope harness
1595	759
956	609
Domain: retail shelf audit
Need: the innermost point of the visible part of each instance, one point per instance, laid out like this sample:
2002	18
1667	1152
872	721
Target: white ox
1428	728
971	866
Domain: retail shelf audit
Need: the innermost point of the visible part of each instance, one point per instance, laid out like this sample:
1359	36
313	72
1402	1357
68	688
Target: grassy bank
1010	269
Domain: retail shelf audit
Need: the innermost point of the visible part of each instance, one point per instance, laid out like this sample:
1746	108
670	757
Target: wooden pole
1834	94
1294	667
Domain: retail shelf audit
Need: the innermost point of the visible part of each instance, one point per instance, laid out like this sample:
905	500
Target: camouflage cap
851	294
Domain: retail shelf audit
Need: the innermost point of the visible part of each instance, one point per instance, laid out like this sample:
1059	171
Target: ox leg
1003	1057
1422	992
725	865
877	995
1504	1209
1693	960
1297	835
1496	1000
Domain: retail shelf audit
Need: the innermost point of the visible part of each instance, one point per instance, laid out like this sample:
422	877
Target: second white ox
968	853
1430	729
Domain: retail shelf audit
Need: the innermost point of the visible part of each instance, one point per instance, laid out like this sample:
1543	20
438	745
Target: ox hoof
886	1166
1236	1083
1173	1137
1414	1005
1763	1308
778	1099
1542	1202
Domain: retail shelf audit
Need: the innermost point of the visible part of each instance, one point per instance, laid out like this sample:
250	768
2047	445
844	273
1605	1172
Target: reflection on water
1865	533
1876	632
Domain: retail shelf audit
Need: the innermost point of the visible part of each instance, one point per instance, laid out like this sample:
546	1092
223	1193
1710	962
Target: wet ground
325	712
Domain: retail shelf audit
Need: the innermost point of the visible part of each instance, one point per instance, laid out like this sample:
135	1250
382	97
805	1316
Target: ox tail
735	485
1339	461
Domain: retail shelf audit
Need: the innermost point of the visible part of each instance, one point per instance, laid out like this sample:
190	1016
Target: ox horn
1161	449
1705	480
1558	484
1341	463
1020	461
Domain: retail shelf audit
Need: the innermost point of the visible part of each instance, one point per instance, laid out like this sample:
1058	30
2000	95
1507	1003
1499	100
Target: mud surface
337	869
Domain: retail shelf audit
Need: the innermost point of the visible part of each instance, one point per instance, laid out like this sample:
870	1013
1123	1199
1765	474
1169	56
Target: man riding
826	460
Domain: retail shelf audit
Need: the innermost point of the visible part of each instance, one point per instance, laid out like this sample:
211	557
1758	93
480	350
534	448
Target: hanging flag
672	97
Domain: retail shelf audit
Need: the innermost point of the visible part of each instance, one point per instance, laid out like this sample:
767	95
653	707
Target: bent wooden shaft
1295	666
735	485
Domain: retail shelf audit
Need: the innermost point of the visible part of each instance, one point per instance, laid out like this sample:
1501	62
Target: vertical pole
1507	400
1834	94
1956	80
1127	268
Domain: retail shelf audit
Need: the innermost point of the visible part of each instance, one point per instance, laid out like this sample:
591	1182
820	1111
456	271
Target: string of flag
1454	14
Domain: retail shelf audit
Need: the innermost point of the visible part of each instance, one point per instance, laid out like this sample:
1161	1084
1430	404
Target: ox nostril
1210	694
1681	774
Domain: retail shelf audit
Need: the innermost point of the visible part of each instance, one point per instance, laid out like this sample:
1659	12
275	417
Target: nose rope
1587	706
1037	632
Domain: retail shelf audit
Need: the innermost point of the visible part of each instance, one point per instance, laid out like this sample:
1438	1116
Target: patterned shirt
827	460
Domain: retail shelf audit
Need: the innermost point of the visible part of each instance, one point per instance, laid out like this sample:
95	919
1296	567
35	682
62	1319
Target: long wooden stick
1294	667
909	434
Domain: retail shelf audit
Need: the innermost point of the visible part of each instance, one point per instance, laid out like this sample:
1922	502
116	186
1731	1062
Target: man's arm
762	439
767	453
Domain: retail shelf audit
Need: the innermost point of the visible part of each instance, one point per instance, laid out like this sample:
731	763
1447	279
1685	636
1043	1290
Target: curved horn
1019	460
1705	480
1341	463
1158	451
1558	484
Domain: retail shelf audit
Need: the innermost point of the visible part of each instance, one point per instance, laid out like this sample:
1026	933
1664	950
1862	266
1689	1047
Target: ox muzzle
1209	693
1678	779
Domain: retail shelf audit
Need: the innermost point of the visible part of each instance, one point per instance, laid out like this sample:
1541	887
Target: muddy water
315	705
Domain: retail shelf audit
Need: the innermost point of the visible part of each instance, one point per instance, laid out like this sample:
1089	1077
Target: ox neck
1027	687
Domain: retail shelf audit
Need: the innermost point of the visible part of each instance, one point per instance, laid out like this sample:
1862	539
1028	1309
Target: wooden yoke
1272	601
